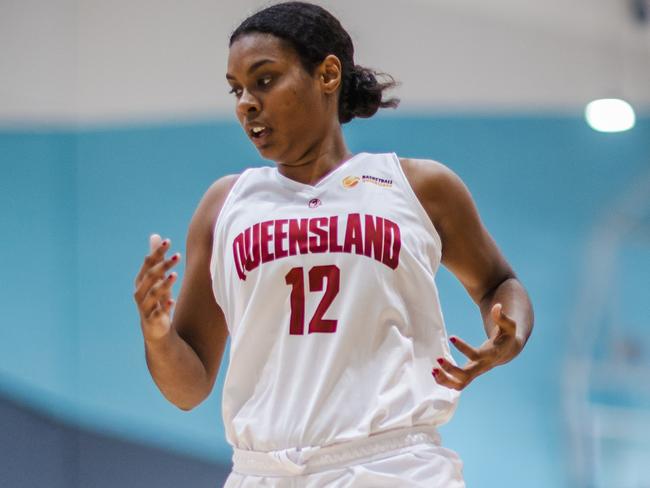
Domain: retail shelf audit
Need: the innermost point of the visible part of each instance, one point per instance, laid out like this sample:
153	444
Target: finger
492	351
505	323
152	275
489	348
149	307
444	379
465	348
168	305
453	370
157	250
161	290
155	307
503	348
154	312
161	309
158	293
164	291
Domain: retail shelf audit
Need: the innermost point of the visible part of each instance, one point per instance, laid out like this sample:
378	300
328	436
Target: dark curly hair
314	33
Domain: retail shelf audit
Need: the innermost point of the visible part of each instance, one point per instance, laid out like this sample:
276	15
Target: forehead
251	48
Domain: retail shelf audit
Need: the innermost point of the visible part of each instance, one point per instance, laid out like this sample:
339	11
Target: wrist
160	341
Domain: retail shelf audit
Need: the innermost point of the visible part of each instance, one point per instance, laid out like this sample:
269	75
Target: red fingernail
164	243
435	371
453	339
175	257
170	277
440	360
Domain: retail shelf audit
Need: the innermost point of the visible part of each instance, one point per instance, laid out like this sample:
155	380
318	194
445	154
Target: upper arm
197	317
468	250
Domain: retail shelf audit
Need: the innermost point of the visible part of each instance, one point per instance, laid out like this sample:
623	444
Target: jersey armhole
417	205
216	234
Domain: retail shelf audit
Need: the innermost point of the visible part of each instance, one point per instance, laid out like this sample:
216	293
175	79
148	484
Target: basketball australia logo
352	181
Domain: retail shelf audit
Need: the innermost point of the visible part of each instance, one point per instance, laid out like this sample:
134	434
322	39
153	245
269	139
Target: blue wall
77	209
38	222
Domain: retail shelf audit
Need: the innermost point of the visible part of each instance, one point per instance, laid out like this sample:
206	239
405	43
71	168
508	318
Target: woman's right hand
153	289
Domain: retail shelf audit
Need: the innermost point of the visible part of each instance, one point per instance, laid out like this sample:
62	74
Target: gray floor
37	452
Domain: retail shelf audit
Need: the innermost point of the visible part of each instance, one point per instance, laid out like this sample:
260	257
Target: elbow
190	403
186	407
486	295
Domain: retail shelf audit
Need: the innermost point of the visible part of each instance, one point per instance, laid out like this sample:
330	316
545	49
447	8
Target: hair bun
361	94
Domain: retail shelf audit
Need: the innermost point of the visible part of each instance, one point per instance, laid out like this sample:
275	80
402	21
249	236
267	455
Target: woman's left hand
500	348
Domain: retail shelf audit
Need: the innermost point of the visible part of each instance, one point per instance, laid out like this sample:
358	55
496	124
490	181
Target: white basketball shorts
410	457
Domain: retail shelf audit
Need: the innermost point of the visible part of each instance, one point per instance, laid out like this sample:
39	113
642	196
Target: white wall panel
37	60
98	61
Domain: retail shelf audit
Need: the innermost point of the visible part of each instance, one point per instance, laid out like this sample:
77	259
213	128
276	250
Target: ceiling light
610	115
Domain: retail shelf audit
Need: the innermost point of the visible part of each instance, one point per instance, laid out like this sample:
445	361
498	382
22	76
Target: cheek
296	102
302	110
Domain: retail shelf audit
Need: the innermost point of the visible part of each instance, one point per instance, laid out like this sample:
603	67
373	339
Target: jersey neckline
284	180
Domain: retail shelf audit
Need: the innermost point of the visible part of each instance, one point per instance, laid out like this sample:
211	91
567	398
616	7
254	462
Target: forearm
516	304
177	370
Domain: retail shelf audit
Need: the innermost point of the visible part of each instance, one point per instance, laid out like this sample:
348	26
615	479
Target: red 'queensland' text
367	235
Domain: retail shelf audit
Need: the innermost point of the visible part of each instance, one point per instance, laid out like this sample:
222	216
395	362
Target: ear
329	73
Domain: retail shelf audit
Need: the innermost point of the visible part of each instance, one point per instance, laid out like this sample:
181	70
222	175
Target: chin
267	152
273	152
270	155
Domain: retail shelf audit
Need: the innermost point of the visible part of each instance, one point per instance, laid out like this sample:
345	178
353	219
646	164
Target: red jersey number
317	277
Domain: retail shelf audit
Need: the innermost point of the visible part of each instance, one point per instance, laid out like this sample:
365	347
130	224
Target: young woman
321	269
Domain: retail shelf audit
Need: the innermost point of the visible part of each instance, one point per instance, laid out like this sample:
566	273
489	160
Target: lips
259	133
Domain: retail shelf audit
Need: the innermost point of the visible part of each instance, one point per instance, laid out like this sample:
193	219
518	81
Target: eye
264	81
236	91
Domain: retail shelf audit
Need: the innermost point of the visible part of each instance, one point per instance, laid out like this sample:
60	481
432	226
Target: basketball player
321	269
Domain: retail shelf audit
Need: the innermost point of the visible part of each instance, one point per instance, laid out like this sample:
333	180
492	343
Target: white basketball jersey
329	296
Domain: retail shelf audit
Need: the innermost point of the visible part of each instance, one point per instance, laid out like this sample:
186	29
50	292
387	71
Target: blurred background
115	118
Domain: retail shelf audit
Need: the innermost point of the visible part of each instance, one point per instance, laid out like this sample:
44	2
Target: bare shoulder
216	194
212	201
438	188
425	173
222	186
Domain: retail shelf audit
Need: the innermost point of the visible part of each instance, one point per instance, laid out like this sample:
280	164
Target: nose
248	104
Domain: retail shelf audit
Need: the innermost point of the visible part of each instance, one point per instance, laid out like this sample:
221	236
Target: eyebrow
252	68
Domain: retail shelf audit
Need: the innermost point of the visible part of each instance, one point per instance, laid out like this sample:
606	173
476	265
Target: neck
318	160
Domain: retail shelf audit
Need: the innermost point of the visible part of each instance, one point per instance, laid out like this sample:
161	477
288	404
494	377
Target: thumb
154	242
496	312
504	322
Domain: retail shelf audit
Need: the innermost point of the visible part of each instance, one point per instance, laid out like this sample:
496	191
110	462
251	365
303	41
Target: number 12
317	275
